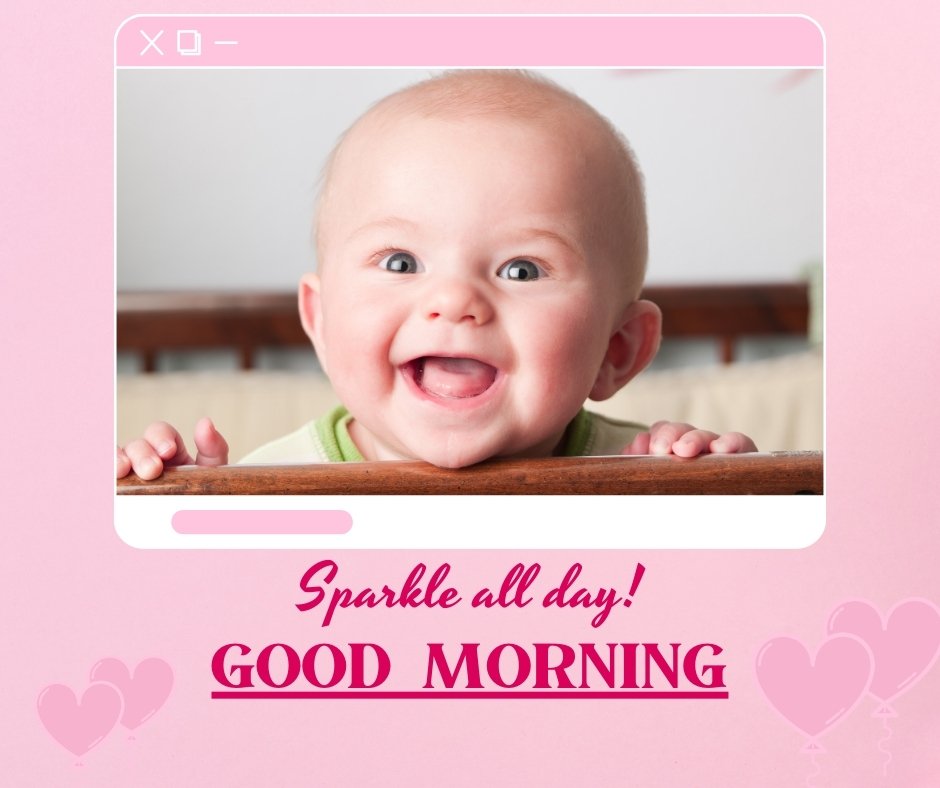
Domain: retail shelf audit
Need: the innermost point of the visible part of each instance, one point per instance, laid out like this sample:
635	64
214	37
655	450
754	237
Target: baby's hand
162	447
684	440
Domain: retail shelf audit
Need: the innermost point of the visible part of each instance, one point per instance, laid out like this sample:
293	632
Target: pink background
74	594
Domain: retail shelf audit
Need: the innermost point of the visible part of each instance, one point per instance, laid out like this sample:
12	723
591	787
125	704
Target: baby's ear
311	314
631	347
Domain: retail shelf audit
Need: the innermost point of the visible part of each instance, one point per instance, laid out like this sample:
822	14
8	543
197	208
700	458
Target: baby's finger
211	447
663	434
639	445
122	464
144	459
732	443
694	443
167	443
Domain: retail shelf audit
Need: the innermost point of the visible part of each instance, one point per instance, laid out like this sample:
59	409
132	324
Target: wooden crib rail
776	473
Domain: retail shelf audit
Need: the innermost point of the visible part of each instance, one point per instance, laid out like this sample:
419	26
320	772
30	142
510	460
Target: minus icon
225	43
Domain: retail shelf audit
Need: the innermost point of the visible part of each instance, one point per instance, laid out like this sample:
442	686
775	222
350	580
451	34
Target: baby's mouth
451	378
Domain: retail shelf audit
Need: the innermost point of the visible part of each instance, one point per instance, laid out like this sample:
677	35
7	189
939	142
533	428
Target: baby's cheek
557	385
570	361
356	328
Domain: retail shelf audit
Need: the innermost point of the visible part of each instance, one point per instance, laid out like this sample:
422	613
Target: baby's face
465	301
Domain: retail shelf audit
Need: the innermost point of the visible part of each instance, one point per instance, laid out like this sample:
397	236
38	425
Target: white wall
217	170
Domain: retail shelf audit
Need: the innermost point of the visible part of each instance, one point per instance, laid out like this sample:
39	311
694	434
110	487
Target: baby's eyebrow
385	223
541	233
522	235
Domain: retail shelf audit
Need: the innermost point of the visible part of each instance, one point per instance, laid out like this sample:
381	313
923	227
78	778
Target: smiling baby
482	242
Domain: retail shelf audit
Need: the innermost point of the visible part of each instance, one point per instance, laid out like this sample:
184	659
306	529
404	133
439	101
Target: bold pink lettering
264	665
468	659
341	597
357	657
606	600
317	591
523	665
669	671
309	665
605	669
542	667
243	671
483	598
629	665
512	592
448	597
557	595
411	590
715	672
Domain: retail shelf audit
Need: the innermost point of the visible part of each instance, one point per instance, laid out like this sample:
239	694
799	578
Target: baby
482	242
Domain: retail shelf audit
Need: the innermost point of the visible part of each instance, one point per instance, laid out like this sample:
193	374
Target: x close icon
151	42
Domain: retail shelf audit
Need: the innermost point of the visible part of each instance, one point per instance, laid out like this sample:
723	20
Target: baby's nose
458	301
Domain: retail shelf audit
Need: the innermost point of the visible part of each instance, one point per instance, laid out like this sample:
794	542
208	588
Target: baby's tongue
455	377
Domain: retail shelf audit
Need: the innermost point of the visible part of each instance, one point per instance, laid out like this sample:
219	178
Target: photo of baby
481	241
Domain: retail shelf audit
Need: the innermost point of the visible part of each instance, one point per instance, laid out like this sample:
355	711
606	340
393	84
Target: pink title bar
487	41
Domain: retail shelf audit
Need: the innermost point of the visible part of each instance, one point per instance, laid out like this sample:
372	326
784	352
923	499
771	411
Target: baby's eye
401	263
520	270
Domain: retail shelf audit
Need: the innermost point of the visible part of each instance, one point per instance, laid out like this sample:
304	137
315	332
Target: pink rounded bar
267	522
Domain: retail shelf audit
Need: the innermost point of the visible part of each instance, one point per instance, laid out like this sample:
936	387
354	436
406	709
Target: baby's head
482	242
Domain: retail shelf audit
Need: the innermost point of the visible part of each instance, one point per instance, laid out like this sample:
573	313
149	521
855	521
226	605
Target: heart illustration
904	648
144	692
79	726
814	695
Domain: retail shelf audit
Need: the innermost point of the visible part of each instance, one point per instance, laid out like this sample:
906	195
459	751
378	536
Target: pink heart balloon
814	695
79	726
904	648
143	693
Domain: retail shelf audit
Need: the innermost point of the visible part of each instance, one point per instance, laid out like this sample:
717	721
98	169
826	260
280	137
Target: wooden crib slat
776	473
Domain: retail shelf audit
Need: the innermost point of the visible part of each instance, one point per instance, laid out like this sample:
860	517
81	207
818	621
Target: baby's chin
455	446
448	450
462	452
453	457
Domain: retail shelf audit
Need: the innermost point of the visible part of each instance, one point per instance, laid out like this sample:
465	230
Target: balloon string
881	748
813	775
